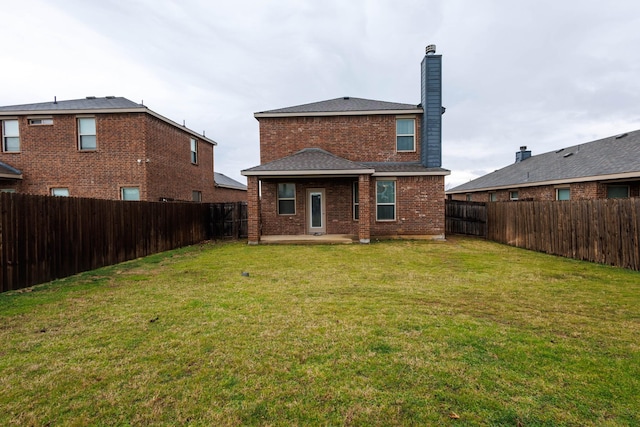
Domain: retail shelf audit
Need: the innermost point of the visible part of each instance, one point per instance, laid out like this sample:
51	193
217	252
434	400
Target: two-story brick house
352	166
108	148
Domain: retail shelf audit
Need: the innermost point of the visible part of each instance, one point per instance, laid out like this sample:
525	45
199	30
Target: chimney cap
523	148
430	49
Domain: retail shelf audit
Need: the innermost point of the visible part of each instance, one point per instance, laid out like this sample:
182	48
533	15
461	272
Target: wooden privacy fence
606	231
43	238
465	218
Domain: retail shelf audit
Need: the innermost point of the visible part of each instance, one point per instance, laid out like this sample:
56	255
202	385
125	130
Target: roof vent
345	98
568	155
110	97
560	150
622	135
91	97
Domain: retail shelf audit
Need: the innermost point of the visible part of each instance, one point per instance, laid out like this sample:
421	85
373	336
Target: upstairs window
10	136
406	135
194	151
286	199
196	196
41	121
87	133
493	197
513	195
385	200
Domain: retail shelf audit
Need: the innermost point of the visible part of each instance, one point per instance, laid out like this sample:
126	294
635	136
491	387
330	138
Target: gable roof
343	106
92	105
318	162
9	172
615	157
224	181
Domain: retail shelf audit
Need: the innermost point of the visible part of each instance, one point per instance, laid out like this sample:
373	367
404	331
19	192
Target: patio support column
253	210
364	201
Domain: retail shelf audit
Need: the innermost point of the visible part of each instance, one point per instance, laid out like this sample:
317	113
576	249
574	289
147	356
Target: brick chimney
431	138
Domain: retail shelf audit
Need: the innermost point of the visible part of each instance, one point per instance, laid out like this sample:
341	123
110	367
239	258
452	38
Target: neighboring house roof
317	162
9	172
92	104
343	106
224	181
615	157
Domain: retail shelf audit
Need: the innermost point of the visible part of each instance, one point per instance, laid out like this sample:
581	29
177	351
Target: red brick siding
49	157
419	208
227	195
344	136
578	191
170	171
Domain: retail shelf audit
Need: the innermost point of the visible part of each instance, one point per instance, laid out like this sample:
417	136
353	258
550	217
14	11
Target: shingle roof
89	103
108	104
7	171
222	180
342	105
316	161
610	156
309	160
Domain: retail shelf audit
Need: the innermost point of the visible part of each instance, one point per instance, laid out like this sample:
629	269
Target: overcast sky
542	73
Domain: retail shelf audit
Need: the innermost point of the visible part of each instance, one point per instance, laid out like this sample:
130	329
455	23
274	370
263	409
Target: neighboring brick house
606	168
352	166
107	148
229	190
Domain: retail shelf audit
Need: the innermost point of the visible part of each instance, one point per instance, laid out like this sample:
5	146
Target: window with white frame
513	195
194	151
493	197
130	193
405	134
87	133
7	190
563	194
44	121
385	200
469	197
286	199
196	196
10	136
356	200
617	191
60	191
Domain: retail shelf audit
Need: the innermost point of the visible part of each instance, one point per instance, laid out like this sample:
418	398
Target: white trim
8	176
617	176
338	113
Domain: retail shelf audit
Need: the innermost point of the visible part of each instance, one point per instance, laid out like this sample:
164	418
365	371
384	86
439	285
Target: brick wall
49	157
227	195
419	207
344	136
578	191
170	171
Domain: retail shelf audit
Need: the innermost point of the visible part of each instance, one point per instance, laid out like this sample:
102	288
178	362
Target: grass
465	332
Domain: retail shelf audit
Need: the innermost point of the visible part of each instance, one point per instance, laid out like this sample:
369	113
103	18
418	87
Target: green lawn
463	332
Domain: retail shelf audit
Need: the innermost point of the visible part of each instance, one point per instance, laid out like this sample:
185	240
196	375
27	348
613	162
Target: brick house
352	166
606	168
107	148
228	189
